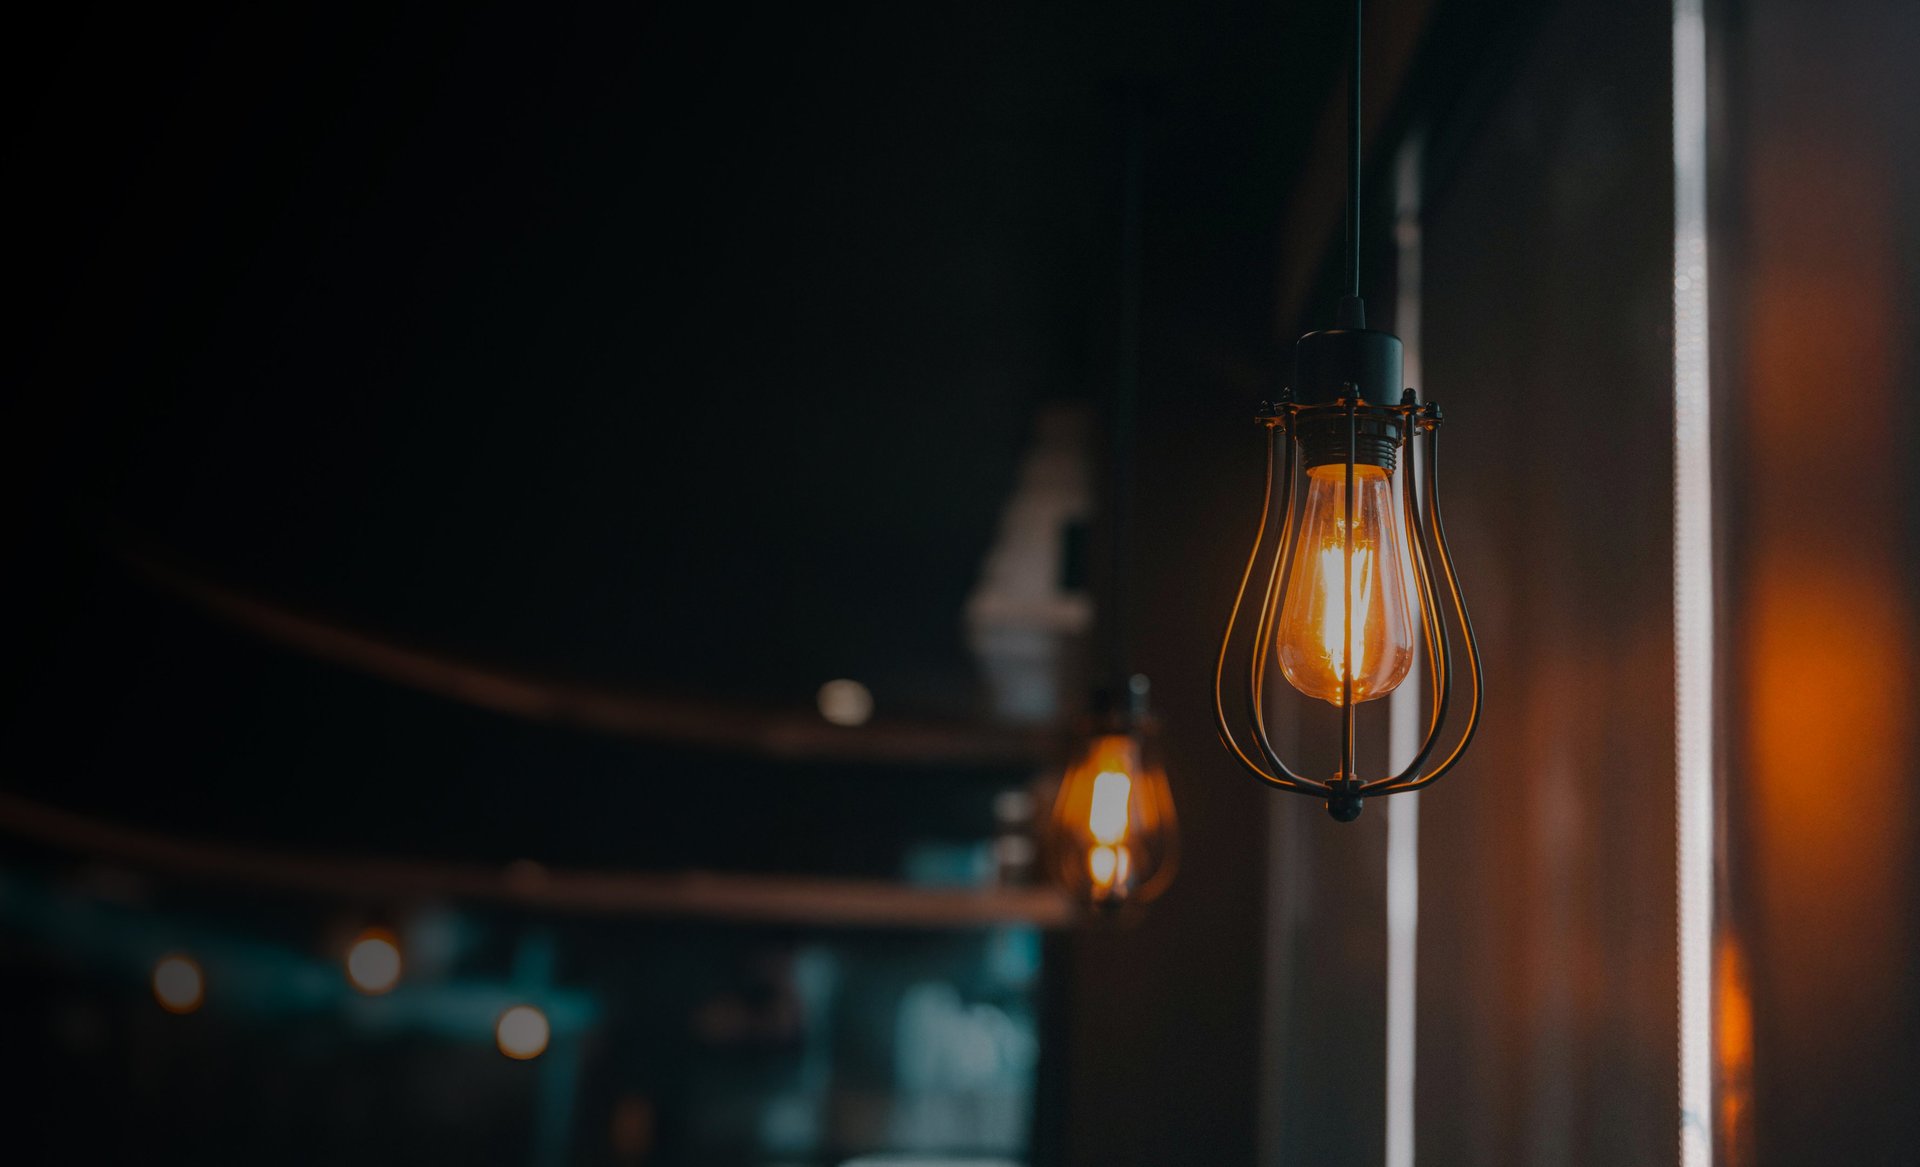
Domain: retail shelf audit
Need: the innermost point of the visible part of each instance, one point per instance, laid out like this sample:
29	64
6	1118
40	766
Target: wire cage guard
1427	546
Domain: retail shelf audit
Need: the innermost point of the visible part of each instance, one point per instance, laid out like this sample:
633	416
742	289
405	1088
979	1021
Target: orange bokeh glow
1112	830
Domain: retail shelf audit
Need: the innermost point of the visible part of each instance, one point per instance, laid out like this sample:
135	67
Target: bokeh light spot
178	984
373	962
845	702
522	1032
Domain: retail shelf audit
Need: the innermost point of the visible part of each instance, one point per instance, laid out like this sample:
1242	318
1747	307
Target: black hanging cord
1126	385
1353	170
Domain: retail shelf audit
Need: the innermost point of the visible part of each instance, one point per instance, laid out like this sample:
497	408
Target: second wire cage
1113	840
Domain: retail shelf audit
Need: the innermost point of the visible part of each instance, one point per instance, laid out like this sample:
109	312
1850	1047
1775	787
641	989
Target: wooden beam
749	899
783	735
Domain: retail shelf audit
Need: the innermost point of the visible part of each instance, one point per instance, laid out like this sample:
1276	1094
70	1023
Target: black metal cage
1370	431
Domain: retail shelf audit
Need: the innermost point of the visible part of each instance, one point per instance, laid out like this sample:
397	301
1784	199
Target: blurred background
556	562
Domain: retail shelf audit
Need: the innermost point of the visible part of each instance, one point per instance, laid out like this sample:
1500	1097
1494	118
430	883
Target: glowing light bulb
178	984
1112	834
373	962
522	1033
1313	621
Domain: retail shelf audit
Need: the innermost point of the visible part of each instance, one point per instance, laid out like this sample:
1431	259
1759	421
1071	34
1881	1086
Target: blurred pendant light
1112	840
1344	600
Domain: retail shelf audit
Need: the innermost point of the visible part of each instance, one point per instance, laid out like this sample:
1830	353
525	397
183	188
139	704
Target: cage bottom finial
1343	801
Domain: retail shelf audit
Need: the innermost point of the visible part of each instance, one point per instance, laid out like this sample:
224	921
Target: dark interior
446	453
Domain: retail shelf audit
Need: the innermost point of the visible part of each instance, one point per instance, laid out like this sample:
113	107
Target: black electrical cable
1353	160
1126	389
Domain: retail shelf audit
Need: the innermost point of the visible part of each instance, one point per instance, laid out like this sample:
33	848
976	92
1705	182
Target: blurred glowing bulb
1112	831
1313	622
845	702
522	1032
177	984
373	962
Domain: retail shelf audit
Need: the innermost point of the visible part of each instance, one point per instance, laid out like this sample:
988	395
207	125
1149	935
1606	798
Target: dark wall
1546	962
1819	1011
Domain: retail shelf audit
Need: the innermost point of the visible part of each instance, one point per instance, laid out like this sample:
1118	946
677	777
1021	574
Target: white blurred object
1019	617
845	702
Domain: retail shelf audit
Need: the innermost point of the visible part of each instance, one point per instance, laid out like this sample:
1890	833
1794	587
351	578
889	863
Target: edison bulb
1313	621
1111	837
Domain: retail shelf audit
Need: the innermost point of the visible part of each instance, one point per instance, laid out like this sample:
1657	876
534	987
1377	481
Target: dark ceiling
687	348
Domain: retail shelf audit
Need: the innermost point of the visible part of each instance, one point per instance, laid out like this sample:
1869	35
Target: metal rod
1347	711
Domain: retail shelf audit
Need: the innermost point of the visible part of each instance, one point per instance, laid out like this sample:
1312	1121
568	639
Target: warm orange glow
1313	621
1112	831
1107	820
1826	721
522	1033
178	984
1733	1049
373	962
1109	866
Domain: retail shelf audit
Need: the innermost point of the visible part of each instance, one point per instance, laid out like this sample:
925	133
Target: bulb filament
1333	620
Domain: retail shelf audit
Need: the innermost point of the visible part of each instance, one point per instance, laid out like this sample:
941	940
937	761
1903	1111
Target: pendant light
1344	602
1112	839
